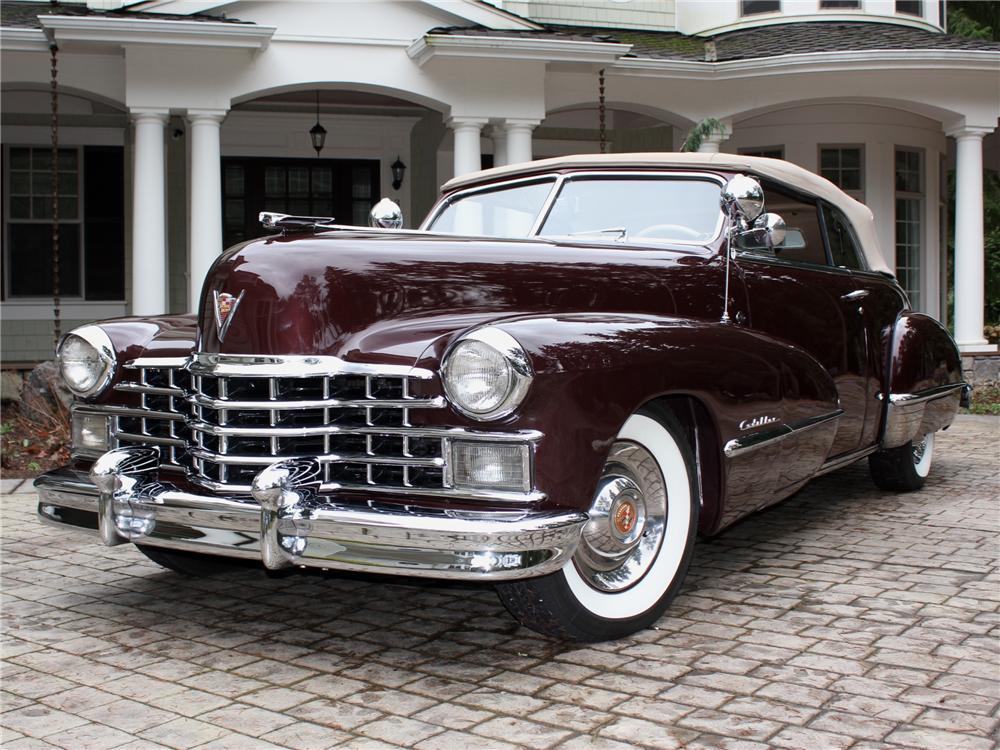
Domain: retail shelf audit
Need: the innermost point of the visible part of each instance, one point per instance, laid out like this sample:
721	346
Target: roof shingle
758	42
22	15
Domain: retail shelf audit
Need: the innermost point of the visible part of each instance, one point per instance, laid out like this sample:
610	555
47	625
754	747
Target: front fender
592	371
163	336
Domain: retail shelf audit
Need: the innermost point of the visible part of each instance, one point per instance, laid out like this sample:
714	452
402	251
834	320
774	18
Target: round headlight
86	360
486	374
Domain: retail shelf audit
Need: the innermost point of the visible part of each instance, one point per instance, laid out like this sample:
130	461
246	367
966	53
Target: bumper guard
289	523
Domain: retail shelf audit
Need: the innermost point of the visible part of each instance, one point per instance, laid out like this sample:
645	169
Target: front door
344	189
797	296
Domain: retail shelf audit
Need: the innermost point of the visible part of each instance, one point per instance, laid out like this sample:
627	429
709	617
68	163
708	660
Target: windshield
636	208
500	212
595	207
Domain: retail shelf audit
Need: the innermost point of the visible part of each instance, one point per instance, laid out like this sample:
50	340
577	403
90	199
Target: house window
844	167
839	4
344	189
754	7
29	222
91	222
909	229
910	7
769	152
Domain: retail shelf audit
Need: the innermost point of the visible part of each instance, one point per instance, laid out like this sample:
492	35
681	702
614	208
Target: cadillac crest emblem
225	310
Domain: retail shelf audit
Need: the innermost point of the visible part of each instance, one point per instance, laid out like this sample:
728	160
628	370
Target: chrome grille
223	418
161	416
356	425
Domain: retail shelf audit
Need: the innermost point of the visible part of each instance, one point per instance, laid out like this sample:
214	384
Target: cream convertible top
857	213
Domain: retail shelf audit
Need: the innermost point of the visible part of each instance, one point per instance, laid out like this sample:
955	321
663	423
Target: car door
879	301
796	295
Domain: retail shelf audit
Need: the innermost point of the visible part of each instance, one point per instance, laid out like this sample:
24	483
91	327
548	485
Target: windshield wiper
622	233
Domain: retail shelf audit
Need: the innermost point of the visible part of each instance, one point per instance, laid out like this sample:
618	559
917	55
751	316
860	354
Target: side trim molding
925	395
743	445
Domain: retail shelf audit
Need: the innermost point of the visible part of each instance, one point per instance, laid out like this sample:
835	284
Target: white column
930	272
969	255
149	225
206	198
468	154
499	135
711	143
519	140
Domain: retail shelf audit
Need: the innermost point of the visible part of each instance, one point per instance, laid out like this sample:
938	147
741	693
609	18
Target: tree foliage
704	129
974	19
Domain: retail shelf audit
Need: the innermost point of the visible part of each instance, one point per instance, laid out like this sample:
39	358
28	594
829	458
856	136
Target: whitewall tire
636	547
903	469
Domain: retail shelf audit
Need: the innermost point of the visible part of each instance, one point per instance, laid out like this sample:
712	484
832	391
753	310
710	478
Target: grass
985	400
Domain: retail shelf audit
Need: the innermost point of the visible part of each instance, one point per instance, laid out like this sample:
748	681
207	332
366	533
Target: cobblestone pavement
846	617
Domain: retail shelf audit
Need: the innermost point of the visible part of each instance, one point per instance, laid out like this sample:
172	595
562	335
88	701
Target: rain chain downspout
601	112
57	326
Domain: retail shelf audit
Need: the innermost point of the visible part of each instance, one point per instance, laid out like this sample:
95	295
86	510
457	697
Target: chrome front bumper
293	525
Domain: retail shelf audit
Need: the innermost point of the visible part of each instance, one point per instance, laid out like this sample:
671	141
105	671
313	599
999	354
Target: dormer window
910	7
839	4
756	7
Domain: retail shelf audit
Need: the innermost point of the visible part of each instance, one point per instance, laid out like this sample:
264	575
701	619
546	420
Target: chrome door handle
855	295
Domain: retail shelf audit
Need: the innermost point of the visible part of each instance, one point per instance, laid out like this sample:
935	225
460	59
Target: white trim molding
482	13
23	40
812	62
122	31
515	48
780	18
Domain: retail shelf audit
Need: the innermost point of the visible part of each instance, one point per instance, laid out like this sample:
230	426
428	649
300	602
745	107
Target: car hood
349	294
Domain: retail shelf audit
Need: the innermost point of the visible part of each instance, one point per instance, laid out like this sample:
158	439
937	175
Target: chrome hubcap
627	520
919	449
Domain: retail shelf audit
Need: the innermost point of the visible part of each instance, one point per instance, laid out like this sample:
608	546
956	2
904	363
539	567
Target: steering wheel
670	231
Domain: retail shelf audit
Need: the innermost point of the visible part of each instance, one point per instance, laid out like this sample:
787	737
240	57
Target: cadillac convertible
573	368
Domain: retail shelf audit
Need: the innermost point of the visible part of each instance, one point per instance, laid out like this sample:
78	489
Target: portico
213	107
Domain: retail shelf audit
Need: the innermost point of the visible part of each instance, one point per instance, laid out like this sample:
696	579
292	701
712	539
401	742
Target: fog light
491	466
90	433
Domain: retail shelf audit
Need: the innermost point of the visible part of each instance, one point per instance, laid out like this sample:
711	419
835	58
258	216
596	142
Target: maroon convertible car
573	368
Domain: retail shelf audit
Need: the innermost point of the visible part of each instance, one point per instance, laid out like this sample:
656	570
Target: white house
179	120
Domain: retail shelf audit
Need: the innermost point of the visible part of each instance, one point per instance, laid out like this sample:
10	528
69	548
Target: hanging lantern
398	170
317	133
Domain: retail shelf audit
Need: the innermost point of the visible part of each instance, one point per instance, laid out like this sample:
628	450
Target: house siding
631	14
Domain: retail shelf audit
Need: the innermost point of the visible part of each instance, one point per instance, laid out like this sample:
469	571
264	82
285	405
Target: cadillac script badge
225	311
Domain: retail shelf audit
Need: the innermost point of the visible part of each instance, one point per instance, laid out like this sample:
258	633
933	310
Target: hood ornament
225	311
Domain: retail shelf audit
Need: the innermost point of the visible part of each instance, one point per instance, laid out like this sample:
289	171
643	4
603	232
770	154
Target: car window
509	211
843	244
636	208
805	243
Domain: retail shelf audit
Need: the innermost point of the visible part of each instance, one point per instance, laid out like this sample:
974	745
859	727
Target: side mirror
386	215
767	234
769	230
743	197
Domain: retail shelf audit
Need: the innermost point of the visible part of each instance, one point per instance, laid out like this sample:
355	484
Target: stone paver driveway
846	617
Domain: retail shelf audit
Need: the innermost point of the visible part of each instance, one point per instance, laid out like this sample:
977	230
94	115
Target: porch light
398	170
317	132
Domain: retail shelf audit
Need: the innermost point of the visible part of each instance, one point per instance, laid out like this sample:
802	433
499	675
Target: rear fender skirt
924	380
